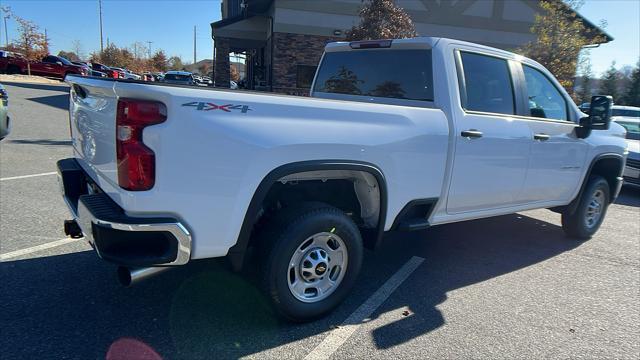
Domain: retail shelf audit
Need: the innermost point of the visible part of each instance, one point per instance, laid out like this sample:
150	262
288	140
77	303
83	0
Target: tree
175	63
158	61
560	35
609	83
345	82
632	95
382	19
76	48
33	44
584	95
69	55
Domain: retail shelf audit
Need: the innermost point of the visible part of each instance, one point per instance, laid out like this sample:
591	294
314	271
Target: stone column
222	73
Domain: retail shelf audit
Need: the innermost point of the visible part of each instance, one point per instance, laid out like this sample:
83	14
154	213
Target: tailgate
92	117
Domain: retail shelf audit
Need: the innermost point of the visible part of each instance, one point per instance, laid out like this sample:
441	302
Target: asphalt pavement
511	287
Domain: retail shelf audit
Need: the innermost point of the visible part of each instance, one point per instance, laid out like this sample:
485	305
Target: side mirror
599	112
599	115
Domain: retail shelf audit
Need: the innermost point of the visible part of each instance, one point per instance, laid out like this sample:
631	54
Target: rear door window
399	74
488	84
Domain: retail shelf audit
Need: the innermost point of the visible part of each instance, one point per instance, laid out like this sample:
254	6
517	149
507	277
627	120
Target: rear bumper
117	237
632	172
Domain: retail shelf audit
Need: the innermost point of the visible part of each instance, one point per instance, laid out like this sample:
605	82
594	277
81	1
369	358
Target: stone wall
221	63
291	50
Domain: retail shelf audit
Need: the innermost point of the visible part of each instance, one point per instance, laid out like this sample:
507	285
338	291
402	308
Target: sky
169	25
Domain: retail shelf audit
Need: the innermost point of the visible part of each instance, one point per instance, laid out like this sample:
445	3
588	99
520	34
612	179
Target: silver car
5	122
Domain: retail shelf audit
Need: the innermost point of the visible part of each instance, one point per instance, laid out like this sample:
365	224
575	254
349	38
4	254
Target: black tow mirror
599	115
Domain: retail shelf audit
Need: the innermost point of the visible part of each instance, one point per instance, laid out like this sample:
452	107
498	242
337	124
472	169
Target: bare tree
76	48
33	44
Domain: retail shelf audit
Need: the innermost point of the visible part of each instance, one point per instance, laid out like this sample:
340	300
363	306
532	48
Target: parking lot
502	288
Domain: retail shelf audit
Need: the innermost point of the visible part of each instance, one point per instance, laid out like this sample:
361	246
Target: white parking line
33	249
27	176
338	336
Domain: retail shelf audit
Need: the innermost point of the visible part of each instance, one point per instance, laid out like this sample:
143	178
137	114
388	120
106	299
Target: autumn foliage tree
560	36
382	19
31	43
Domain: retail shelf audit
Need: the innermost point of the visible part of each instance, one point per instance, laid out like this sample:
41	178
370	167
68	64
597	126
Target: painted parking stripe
33	249
338	336
27	176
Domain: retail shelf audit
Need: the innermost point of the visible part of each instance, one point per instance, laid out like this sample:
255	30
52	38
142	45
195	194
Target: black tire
575	225
285	234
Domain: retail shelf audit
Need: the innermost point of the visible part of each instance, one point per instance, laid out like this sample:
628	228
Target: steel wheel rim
317	267
594	209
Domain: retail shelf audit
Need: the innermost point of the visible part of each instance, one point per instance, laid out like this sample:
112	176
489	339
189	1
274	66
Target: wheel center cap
321	268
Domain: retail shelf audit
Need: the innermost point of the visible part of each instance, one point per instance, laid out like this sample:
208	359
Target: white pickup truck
397	135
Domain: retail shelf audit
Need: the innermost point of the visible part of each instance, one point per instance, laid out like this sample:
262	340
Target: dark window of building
488	84
400	74
304	75
545	100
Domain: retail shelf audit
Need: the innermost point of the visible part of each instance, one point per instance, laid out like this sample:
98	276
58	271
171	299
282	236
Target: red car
51	66
115	74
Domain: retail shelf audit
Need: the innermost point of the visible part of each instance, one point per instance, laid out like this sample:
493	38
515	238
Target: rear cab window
404	74
487	85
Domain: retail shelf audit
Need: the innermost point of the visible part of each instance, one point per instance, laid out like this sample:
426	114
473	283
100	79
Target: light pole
100	10
6	34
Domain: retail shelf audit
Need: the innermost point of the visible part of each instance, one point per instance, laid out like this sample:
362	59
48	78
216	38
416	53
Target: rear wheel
312	257
13	69
590	212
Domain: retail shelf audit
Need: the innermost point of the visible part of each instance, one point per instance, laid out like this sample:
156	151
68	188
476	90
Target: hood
634	149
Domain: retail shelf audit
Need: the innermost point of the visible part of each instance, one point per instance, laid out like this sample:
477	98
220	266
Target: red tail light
136	162
114	74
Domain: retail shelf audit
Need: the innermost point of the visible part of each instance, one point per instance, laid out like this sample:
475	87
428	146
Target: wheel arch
236	253
610	166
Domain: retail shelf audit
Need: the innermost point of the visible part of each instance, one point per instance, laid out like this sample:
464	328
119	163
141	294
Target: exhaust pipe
128	277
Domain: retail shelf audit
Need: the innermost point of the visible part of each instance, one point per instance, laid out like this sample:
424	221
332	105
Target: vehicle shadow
629	196
56	101
63	87
70	305
48	142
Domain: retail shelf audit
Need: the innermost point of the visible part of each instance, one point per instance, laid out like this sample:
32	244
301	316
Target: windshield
177	77
400	74
65	61
633	129
625	112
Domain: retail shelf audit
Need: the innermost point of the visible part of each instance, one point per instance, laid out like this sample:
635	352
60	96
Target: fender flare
372	240
571	207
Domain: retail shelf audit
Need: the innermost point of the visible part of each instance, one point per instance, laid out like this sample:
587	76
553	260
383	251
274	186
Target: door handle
471	134
541	137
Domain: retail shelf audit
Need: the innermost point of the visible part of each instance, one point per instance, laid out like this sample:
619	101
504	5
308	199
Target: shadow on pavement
48	142
57	101
629	196
71	306
62	87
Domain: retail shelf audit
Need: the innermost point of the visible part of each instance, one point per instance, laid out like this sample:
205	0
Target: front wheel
312	257
589	214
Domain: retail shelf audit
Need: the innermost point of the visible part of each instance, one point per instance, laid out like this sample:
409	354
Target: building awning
243	32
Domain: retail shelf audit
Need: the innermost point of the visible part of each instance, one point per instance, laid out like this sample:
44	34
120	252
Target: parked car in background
9	60
114	74
178	77
148	77
5	121
629	118
128	74
50	65
92	72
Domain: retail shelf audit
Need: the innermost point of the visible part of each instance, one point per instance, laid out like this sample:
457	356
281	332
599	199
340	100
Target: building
284	39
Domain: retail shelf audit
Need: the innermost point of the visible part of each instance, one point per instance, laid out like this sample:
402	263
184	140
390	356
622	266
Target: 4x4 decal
207	106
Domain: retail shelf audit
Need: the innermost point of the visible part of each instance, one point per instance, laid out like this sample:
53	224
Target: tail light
114	74
136	162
